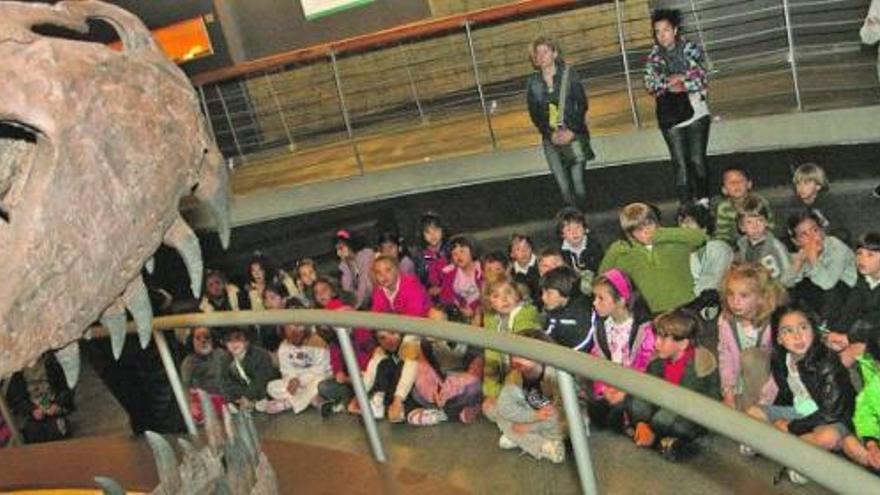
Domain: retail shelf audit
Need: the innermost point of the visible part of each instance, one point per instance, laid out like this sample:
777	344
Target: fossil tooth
69	359
213	192
114	321
166	463
109	486
150	265
181	237
137	300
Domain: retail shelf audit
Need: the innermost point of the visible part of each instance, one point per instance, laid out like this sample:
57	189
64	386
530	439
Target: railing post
792	59
174	380
357	382
629	88
700	35
8	418
204	102
412	84
470	39
578	432
344	108
229	121
290	144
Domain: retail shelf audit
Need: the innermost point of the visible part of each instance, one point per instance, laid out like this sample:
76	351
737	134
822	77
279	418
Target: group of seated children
715	304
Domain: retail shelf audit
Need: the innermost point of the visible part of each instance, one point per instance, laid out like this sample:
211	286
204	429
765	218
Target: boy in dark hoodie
566	315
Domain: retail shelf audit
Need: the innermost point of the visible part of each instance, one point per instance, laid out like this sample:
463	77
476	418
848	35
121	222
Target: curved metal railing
826	469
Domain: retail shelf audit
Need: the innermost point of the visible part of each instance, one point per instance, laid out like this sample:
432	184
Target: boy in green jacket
656	258
864	446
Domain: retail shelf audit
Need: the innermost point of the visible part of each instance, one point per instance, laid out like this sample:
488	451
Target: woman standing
558	106
675	74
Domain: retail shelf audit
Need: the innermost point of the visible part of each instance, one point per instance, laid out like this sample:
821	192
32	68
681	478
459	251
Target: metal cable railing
470	82
822	467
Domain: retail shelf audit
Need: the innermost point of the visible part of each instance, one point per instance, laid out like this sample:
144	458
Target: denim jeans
568	170
687	148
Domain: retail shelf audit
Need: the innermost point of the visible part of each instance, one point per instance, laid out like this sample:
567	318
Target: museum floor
467	456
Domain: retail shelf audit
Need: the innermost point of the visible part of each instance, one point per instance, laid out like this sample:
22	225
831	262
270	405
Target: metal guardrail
822	467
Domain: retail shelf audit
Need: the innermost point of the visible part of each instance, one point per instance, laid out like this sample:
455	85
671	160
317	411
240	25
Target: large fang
137	300
109	486
114	321
150	265
212	191
182	238
69	359
166	463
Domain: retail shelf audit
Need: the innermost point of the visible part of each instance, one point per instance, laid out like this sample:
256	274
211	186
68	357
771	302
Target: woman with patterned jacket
675	68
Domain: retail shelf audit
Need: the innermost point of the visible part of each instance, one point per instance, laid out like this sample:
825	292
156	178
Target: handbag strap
563	97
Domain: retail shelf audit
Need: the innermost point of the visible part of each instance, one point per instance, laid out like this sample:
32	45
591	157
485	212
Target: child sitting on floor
679	360
809	393
656	258
745	341
736	187
624	335
524	265
566	315
864	446
510	314
529	413
462	282
581	251
304	362
758	244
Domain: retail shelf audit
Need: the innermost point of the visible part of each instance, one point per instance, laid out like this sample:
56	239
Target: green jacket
662	273
495	363
867	415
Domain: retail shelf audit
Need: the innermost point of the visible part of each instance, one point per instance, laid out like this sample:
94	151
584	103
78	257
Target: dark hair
277	287
569	214
389	236
429	219
680	324
517	237
270	271
869	326
736	169
463	241
699	213
551	251
348	238
869	241
796	306
672	16
216	274
496	256
563	279
230	331
800	217
326	280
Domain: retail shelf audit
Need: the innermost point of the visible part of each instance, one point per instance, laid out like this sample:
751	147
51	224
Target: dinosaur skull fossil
116	140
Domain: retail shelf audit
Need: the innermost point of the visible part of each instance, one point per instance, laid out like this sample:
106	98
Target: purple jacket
411	298
729	351
447	287
359	281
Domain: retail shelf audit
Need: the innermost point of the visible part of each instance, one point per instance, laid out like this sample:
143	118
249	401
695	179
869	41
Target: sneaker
506	443
671	448
425	417
377	405
554	451
273	406
797	478
469	414
330	408
746	451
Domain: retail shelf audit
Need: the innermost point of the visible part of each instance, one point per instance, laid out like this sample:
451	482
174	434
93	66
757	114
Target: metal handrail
822	467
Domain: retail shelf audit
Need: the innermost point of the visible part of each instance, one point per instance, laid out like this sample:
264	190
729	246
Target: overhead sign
314	9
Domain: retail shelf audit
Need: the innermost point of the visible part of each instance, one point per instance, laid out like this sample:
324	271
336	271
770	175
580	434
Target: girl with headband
624	335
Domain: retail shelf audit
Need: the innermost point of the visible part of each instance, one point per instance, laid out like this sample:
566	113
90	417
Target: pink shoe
469	414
